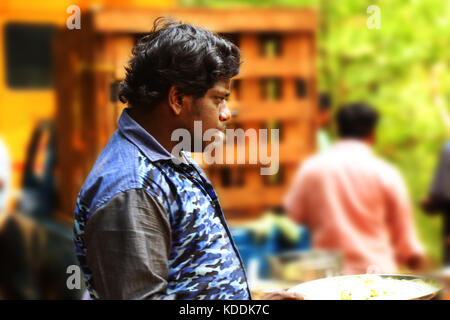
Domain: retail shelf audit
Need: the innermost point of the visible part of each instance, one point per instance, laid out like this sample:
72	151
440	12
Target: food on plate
366	287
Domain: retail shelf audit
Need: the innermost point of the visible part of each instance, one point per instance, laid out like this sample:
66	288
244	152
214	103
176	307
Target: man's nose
225	113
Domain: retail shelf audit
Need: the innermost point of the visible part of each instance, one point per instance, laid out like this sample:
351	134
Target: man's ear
175	100
371	138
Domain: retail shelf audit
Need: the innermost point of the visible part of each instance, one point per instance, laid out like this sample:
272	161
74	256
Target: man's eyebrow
226	93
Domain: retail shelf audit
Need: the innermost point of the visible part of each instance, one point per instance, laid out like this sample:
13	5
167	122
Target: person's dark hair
356	120
324	102
190	58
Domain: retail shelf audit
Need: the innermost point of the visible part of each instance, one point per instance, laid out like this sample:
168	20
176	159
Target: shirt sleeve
128	243
295	202
401	222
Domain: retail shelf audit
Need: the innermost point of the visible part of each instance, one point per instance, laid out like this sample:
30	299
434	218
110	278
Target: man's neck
369	142
155	123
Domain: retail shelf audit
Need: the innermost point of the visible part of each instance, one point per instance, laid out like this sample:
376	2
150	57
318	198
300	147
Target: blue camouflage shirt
148	228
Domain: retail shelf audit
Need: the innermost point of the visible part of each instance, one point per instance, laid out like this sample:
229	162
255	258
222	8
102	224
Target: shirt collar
350	143
143	140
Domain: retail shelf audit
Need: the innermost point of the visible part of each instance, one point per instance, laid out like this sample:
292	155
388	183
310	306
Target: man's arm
295	200
128	244
407	246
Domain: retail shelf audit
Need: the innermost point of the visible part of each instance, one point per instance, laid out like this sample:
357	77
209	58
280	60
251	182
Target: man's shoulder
117	169
388	171
318	162
335	159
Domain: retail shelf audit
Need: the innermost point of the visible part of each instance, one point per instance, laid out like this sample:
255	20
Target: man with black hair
148	223
323	119
438	200
356	203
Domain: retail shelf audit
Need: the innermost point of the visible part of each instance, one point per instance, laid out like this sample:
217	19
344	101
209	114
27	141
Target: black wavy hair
190	58
356	120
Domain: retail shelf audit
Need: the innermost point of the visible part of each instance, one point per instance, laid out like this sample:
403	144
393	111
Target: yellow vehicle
26	87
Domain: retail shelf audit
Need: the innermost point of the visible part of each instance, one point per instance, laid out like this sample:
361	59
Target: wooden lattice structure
275	89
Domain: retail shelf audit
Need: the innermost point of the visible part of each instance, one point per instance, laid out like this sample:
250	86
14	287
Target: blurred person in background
356	203
5	173
438	200
323	120
35	251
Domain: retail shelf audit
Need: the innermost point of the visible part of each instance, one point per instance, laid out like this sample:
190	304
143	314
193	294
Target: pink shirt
355	203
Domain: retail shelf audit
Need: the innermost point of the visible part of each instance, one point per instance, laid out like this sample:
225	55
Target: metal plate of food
369	287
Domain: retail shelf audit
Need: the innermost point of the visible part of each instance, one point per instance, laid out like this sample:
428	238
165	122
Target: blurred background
58	107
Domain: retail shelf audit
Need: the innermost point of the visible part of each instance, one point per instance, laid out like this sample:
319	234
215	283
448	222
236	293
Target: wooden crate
275	89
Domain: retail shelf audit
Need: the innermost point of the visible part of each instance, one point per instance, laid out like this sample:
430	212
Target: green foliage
392	69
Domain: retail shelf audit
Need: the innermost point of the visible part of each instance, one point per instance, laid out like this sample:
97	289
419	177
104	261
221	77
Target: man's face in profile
212	110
